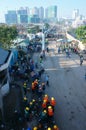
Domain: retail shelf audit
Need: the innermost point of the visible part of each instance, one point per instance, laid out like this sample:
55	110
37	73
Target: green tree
7	34
81	33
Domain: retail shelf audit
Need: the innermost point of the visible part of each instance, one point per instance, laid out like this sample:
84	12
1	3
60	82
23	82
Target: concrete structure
5	58
80	45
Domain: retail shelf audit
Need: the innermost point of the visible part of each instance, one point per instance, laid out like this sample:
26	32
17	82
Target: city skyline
64	8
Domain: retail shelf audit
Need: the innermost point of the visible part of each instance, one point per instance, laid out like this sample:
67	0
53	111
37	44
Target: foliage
47	25
7	34
81	33
34	29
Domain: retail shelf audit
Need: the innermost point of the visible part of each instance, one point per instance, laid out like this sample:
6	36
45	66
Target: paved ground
68	86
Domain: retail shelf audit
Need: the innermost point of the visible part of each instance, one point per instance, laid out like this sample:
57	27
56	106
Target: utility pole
43	40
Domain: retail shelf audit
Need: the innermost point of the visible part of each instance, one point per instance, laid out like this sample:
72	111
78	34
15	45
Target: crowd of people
39	107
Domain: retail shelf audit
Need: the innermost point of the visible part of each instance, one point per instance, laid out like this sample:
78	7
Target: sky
65	7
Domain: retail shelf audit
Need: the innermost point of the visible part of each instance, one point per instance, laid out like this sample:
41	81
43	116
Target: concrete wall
80	45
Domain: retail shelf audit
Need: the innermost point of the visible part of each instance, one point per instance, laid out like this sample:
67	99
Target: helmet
25	84
31	103
45	95
35	128
25	98
36	80
49	128
52	98
49	107
45	111
55	126
44	101
27	108
33	100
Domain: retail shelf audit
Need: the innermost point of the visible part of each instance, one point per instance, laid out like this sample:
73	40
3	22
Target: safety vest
44	105
50	112
46	99
52	102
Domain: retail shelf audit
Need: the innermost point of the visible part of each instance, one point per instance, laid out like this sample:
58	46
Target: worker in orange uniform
55	127
44	104
35	83
52	102
50	111
33	87
46	98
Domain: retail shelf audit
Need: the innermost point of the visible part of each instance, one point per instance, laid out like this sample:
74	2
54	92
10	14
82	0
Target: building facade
11	17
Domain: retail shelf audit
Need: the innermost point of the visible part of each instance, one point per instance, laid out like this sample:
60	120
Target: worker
52	102
50	111
27	113
43	86
33	87
44	104
46	98
35	82
43	116
25	88
55	127
25	101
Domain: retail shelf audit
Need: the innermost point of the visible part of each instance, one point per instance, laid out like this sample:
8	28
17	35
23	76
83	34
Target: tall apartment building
41	13
75	13
22	15
11	17
51	12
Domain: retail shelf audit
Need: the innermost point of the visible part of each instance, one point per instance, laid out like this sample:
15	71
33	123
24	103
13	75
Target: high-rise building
41	13
75	13
11	17
51	12
22	15
35	11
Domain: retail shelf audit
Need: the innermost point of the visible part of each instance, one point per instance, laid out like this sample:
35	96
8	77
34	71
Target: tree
7	34
81	33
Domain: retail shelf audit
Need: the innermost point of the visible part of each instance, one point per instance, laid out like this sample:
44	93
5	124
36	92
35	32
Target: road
68	86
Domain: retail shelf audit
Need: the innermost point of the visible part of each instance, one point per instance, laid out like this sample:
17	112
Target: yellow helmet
45	95
49	128
27	108
45	111
55	126
25	98
52	98
49	107
31	103
33	100
25	84
35	128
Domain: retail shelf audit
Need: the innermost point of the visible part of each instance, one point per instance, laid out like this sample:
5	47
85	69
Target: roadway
68	86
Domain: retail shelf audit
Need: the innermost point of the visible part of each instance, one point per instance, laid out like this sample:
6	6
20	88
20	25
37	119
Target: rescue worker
36	83
43	86
27	113
46	98
50	111
25	101
33	87
52	102
44	104
55	127
25	88
43	116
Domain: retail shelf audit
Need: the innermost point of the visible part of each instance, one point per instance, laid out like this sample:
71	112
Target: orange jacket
50	112
46	99
44	105
52	102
